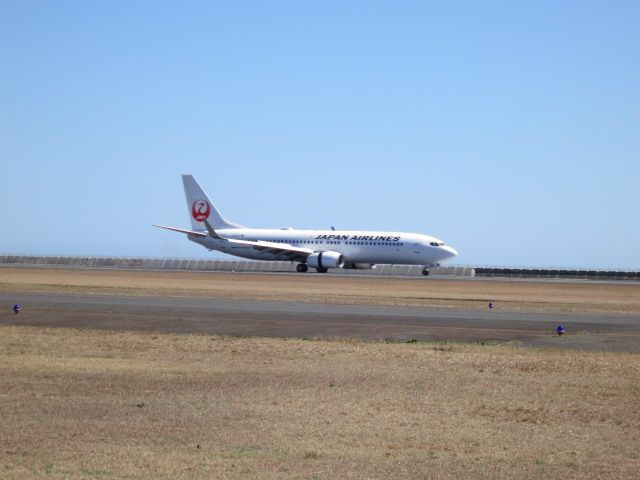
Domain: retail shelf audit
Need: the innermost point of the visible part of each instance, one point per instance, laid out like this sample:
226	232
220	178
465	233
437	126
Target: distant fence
214	265
259	266
551	273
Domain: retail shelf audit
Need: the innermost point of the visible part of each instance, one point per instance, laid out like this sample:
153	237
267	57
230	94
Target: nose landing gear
425	269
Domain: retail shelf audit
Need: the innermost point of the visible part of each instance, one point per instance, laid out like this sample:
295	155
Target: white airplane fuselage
319	249
356	246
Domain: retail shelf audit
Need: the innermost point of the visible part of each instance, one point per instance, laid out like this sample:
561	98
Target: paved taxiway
287	319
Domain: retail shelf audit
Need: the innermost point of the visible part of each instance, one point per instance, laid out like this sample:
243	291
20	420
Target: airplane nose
450	251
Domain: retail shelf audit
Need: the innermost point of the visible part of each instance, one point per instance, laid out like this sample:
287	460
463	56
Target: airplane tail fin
201	208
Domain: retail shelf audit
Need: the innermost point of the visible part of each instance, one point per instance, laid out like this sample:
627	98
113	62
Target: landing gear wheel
322	270
425	271
302	267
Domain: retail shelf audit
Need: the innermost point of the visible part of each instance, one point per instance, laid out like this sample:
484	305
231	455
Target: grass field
422	292
89	404
93	404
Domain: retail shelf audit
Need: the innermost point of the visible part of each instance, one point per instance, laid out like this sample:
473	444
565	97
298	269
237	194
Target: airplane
319	249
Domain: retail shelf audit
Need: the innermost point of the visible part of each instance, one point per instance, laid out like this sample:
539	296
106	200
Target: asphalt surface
283	319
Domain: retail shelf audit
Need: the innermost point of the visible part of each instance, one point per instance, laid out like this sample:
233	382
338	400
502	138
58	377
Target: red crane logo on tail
200	210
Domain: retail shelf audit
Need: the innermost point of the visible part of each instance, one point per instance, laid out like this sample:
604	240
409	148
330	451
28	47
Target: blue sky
511	130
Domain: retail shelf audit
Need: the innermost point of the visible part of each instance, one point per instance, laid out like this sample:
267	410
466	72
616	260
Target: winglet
212	232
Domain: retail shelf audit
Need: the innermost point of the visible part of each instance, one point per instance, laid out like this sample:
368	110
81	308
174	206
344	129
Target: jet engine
359	266
325	260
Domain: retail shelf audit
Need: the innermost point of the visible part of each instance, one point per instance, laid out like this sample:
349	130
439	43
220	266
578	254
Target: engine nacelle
325	260
359	266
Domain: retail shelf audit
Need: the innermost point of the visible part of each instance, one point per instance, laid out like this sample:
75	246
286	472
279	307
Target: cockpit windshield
436	244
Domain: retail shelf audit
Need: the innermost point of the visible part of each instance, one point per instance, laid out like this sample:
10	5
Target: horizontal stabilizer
182	230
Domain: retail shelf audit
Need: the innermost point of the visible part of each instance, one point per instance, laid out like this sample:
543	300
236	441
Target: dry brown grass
86	404
509	296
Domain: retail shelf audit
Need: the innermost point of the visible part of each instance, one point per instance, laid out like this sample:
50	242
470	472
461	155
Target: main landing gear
303	267
425	271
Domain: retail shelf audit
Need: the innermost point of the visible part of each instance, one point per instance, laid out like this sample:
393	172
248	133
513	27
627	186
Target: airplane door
417	248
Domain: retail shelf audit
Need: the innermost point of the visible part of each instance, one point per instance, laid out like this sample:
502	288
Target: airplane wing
283	250
286	251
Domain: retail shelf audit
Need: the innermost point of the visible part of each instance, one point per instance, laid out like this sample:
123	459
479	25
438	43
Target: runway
291	319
